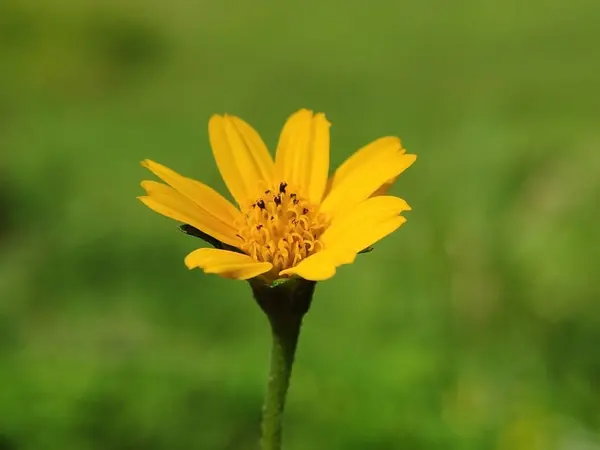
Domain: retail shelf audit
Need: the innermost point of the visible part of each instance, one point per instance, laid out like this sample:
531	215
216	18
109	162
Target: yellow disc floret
281	228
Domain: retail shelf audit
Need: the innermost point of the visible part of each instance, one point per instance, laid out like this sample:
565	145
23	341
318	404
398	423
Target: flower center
281	228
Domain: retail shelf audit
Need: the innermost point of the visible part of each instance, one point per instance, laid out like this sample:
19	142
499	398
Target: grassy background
476	326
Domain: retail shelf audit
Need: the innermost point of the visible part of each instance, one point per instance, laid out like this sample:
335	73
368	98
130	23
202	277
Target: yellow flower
291	220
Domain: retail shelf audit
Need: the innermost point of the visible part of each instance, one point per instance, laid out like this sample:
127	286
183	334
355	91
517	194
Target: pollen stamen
281	228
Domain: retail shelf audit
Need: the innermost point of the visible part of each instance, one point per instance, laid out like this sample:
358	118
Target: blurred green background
476	326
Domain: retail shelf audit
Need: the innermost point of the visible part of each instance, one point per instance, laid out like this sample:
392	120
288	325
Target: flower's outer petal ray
226	264
382	162
365	154
167	201
371	236
365	224
317	267
242	158
203	196
302	158
373	209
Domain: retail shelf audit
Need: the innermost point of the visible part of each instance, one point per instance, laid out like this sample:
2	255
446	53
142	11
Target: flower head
290	219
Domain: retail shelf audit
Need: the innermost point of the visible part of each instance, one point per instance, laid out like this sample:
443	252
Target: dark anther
295	201
277	200
259	226
261	204
282	187
254	205
293	195
272	217
305	211
268	191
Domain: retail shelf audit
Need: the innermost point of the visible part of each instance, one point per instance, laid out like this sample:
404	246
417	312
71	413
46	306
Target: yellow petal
365	224
302	158
227	264
373	209
364	155
366	237
205	197
317	267
385	161
167	201
242	158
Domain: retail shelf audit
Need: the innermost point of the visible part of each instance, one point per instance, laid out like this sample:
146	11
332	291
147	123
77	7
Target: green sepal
192	231
281	282
366	250
283	295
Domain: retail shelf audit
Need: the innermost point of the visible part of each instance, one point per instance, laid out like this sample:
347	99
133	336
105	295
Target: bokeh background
476	326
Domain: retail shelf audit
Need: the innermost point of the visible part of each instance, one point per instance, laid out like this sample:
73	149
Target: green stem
285	332
285	305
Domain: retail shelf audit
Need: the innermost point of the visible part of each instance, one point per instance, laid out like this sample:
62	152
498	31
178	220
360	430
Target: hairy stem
285	332
285	306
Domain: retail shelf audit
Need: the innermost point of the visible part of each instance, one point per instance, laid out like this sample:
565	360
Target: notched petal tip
397	205
146	163
409	159
319	119
309	114
322	117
